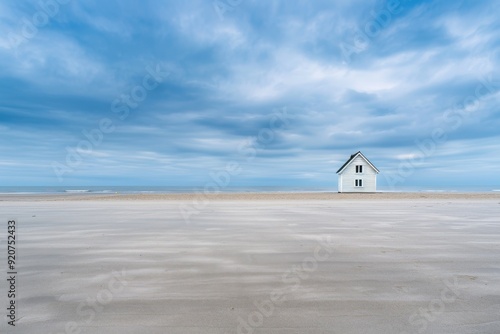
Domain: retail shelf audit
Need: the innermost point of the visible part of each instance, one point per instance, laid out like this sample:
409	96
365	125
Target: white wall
369	177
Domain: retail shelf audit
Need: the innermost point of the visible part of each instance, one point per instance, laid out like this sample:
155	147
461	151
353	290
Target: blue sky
267	92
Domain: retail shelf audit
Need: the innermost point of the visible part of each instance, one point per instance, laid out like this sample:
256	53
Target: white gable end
357	175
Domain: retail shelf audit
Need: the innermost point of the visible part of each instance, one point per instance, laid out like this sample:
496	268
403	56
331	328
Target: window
358	183
359	169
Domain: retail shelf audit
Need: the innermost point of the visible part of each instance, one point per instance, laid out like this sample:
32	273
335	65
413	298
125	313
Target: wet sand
256	263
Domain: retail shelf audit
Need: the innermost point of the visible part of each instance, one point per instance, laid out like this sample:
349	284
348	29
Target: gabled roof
354	156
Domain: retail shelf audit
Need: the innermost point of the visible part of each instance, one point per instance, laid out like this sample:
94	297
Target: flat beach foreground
255	263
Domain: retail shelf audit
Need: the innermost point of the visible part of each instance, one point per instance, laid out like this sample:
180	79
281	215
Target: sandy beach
255	263
251	196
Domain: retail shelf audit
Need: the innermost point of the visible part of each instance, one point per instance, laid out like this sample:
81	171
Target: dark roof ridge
353	156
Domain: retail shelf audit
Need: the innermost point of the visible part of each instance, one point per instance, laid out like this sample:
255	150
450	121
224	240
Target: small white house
358	175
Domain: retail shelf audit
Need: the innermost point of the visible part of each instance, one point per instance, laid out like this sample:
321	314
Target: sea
22	190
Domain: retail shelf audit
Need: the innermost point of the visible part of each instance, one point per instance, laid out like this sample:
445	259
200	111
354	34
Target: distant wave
78	191
496	190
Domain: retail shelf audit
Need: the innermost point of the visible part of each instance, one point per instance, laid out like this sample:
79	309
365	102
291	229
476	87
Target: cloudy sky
272	92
